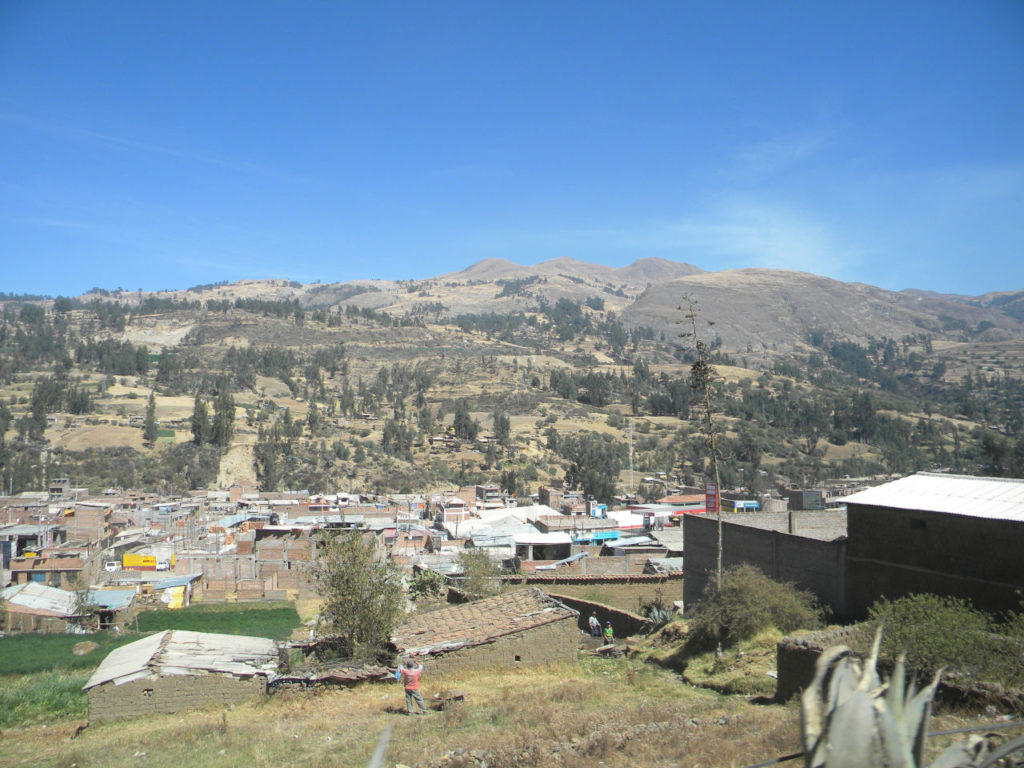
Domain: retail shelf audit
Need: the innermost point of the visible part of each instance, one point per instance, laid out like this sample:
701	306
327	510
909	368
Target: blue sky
163	145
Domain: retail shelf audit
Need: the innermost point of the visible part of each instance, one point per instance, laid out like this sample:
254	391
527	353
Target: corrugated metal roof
536	537
635	541
180	652
112	599
40	599
26	529
995	498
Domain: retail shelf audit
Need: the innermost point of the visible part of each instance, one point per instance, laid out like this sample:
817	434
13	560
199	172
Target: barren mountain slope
777	310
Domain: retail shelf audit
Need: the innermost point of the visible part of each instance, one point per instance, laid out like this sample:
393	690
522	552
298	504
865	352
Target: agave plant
851	718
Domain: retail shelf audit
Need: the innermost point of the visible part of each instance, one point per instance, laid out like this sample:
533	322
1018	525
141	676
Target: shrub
750	602
426	583
940	631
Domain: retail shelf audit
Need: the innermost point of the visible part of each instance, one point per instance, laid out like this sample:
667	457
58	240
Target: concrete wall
811	564
894	552
547	644
173	693
627	593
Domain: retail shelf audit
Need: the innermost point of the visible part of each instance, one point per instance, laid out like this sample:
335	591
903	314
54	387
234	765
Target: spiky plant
851	718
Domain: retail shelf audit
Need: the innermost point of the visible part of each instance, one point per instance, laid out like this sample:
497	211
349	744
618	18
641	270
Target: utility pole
632	487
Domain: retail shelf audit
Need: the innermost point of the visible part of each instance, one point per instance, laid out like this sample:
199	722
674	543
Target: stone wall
547	644
172	693
811	564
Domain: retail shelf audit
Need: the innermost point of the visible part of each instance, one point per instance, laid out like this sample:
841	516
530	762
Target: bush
940	631
426	583
748	603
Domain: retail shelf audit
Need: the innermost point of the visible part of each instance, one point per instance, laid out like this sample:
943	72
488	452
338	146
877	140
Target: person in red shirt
410	677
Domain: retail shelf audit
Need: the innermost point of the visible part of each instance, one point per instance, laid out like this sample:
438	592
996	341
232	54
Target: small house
522	627
177	670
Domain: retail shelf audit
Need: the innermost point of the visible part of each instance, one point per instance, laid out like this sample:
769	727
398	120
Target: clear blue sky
168	144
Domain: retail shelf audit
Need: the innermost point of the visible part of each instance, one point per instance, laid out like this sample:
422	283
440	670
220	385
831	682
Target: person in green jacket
609	636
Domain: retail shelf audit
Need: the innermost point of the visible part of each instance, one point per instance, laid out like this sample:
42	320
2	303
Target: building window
147	692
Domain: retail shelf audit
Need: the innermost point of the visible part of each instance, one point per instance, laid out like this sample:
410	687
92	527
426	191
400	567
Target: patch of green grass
30	653
42	696
169	433
273	620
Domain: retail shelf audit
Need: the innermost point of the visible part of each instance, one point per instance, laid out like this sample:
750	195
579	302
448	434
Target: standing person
609	636
410	677
595	625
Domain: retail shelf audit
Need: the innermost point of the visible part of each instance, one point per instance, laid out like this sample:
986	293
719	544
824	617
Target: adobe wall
894	552
547	644
627	593
624	623
812	564
172	693
796	656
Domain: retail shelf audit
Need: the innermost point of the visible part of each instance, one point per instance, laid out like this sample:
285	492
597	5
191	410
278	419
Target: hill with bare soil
352	385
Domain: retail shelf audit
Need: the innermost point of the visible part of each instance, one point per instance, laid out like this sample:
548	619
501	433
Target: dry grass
621	713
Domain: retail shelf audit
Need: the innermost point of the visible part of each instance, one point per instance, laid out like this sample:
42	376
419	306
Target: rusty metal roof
995	498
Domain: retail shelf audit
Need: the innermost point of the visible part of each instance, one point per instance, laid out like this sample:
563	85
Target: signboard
711	498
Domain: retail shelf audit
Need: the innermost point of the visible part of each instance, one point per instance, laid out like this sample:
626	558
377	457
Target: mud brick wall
627	593
546	644
796	656
173	693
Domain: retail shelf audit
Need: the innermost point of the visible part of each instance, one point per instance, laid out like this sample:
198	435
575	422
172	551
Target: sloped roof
479	622
39	599
996	498
180	652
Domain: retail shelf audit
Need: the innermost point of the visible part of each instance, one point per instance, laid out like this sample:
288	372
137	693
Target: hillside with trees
509	375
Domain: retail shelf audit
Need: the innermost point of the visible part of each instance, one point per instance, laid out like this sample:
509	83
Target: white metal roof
180	652
996	498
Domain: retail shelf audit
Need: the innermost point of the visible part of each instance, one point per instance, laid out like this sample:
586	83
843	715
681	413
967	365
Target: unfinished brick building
523	627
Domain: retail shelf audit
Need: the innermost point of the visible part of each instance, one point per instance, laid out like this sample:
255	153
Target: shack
177	670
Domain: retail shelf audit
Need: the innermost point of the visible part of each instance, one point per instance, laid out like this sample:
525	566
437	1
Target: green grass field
273	620
28	654
41	679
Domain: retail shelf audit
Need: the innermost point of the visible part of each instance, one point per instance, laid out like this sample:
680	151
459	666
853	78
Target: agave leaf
869	677
919	710
969	752
813	707
851	741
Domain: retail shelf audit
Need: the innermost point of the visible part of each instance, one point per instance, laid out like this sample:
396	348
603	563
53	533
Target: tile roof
995	498
479	622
